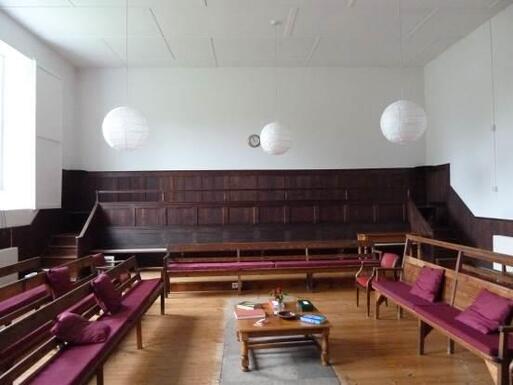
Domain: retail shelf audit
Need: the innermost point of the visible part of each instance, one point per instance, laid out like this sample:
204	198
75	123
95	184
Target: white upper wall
55	135
458	89
201	118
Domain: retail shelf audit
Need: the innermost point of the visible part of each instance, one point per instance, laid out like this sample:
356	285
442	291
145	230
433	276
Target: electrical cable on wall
495	187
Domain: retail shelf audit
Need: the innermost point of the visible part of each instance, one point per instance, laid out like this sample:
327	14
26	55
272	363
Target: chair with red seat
364	277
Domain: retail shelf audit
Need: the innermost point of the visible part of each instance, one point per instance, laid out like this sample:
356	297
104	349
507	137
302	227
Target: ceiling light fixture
125	128
275	139
403	121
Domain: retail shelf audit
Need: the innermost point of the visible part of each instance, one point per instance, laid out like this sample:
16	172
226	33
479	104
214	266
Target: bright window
17	129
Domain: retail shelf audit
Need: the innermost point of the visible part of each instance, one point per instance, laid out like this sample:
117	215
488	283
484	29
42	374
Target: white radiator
504	245
8	257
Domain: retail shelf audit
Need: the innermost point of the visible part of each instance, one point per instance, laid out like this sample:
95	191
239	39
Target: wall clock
254	140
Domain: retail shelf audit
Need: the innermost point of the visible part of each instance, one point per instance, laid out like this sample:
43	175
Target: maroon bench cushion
444	316
20	300
318	263
399	292
214	266
71	364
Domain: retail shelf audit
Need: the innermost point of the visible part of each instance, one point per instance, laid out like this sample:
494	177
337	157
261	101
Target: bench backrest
21	267
265	251
461	287
41	320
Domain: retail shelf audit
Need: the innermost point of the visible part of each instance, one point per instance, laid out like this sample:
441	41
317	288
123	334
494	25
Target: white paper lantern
125	128
403	122
275	139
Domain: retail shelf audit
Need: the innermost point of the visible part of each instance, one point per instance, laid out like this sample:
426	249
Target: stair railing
418	224
86	239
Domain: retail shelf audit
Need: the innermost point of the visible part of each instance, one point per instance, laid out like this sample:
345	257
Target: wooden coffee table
288	333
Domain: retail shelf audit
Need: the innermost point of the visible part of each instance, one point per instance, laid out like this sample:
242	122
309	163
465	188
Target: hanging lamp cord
401	58
494	106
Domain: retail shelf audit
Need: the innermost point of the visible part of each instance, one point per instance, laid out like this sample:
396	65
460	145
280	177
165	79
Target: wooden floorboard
184	347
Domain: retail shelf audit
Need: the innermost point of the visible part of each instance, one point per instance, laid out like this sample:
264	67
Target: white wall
201	118
459	106
52	125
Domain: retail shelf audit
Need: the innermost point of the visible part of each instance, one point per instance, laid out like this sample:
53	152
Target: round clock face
254	140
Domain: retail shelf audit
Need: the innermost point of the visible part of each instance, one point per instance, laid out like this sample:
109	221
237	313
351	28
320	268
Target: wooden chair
364	277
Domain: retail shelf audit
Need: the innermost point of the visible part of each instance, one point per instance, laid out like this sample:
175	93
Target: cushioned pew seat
226	266
443	315
318	263
20	300
72	363
399	292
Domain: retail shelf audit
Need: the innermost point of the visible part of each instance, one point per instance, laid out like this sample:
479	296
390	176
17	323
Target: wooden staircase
437	216
62	246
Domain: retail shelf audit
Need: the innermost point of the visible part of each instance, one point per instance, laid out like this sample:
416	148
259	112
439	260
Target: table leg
325	354
244	358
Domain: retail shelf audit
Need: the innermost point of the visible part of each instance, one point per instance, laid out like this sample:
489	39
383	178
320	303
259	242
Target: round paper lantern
403	122
125	128
275	139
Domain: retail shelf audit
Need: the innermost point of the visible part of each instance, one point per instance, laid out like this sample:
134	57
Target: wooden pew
458	292
267	258
30	292
39	358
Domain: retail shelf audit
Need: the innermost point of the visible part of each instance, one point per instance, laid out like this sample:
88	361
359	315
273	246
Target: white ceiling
192	33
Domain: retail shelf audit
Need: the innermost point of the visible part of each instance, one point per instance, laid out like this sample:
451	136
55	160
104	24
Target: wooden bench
267	258
28	341
458	292
32	290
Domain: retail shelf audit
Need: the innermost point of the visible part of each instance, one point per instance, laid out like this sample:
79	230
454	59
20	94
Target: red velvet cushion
106	294
22	299
99	260
399	292
59	280
77	330
428	284
389	260
363	280
445	316
487	313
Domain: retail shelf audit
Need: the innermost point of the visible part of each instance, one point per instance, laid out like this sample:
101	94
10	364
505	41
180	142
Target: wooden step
66	239
60	251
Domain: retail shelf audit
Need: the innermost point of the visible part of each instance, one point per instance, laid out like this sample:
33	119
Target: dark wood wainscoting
477	231
32	239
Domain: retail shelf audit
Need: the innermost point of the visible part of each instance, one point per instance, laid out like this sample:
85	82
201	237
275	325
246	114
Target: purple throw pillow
76	330
428	284
487	312
59	280
106	294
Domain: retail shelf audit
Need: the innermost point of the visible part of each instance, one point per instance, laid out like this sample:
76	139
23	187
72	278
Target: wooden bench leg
423	330
309	282
357	295
399	312
239	285
380	298
99	376
139	334
367	297
450	346
499	371
163	301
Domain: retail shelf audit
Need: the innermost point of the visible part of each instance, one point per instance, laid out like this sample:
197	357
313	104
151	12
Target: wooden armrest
159	269
506	328
380	270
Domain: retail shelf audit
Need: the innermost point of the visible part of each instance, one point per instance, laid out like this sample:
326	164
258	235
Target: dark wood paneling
211	216
391	213
122	216
302	214
361	214
32	239
269	215
476	231
182	216
240	215
150	216
332	214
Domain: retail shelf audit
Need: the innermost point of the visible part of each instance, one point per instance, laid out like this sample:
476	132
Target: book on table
241	314
316	319
248	305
